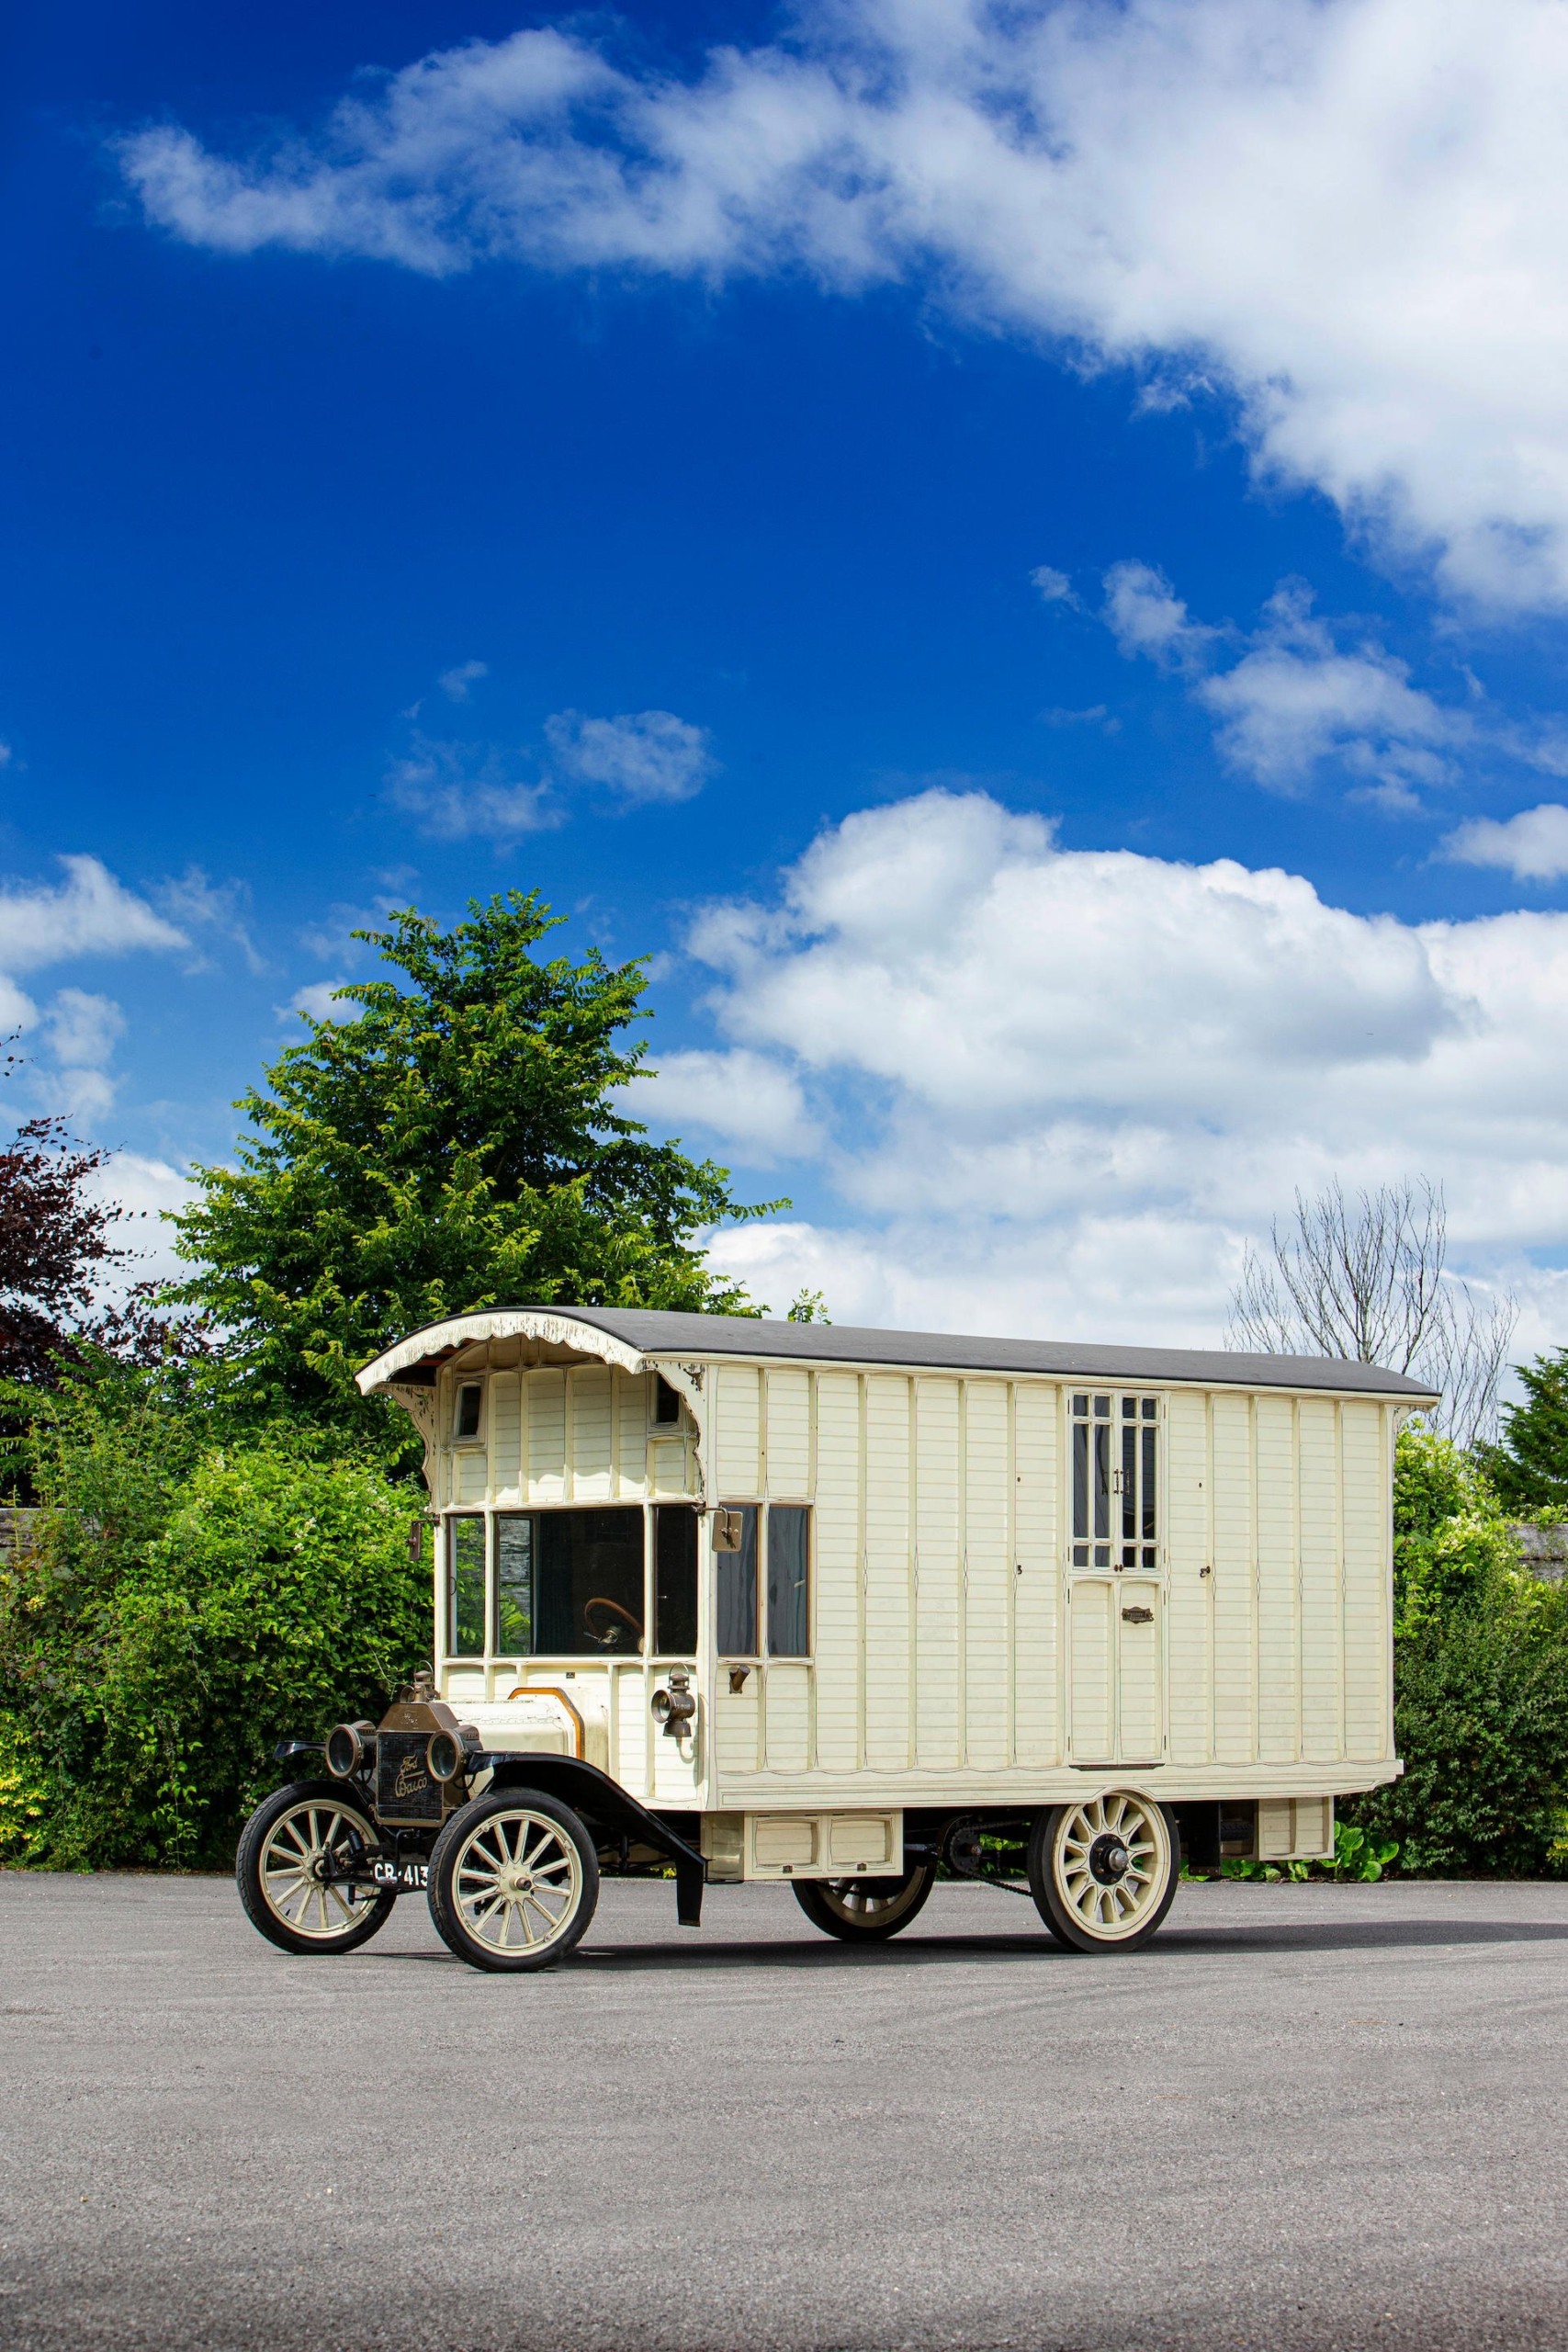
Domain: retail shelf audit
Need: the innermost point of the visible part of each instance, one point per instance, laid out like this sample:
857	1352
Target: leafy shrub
1479	1680
1481	1718
24	1794
186	1604
1452	1550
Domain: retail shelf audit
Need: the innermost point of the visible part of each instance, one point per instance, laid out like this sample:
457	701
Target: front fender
606	1807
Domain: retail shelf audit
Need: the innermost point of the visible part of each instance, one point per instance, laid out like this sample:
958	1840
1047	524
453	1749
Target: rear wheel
513	1881
865	1910
289	1849
1104	1872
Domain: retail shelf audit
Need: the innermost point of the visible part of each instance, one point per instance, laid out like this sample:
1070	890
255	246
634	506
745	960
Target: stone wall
1544	1551
14	1528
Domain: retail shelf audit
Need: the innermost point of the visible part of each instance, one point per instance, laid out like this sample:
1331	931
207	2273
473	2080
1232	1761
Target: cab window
569	1583
676	1580
466	1587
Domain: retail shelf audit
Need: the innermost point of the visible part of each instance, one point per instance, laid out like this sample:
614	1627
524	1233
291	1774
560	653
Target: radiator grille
404	1790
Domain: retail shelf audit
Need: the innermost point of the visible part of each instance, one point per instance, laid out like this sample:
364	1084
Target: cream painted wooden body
957	1656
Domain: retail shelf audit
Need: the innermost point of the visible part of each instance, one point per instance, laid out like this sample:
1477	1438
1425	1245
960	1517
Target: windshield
569	1583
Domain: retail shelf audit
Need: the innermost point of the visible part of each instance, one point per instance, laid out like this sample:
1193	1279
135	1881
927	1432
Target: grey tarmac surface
1305	2116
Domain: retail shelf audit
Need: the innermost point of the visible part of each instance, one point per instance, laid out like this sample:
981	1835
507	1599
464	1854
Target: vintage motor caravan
766	1600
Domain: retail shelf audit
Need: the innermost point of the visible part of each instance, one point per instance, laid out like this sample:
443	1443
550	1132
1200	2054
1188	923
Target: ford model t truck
755	1600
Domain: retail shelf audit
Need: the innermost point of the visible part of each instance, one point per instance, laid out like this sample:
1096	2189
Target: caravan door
1116	1700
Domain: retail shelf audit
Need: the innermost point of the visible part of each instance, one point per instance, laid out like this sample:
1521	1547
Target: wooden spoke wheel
1104	1872
292	1852
865	1910
513	1881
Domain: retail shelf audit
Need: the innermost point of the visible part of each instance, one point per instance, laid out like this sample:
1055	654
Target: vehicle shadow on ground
705	1952
925	1951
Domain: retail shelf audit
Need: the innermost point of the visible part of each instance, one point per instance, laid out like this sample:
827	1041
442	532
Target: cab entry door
1115	1670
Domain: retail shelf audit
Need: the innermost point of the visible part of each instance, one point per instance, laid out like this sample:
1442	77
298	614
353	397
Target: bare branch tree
1366	1280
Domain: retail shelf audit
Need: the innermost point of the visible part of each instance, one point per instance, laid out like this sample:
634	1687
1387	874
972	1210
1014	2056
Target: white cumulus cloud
319	1000
1349	215
645	755
1146	617
458	684
748	1103
1296	699
1532	846
467	791
90	913
1062	1087
1056	587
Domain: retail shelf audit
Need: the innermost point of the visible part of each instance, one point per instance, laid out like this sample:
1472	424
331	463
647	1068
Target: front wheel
513	1881
865	1910
289	1849
1103	1873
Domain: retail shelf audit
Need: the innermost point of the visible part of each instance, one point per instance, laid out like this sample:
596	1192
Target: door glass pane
1151	1527
588	1582
789	1570
1102	1478
515	1583
1080	1476
676	1580
466	1587
738	1589
1129	1481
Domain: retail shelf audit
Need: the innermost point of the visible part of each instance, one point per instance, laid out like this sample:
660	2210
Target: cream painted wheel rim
857	1900
517	1882
1110	1864
296	1851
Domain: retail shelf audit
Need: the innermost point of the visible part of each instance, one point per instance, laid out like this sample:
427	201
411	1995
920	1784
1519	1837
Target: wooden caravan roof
633	1338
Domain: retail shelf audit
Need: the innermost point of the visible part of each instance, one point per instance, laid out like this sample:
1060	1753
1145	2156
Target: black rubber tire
812	1896
445	1860
1068	1929
248	1868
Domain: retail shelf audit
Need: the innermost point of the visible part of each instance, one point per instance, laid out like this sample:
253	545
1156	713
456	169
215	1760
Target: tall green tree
1529	1469
461	1143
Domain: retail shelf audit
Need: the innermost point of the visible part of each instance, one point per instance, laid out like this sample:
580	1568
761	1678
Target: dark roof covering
742	1335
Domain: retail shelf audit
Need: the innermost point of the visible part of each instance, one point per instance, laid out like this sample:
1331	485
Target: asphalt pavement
1304	2116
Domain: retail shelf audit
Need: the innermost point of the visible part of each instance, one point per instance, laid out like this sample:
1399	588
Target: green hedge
187	1603
1479	1679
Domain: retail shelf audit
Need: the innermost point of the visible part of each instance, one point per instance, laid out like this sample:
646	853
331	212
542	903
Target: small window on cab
675	1580
466	1587
666	1404
467	1412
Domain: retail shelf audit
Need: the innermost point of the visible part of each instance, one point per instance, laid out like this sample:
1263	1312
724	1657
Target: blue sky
1021	554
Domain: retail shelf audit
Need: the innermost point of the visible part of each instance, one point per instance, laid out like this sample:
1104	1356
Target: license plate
408	1878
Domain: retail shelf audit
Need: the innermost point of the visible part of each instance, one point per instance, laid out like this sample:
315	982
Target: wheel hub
1109	1860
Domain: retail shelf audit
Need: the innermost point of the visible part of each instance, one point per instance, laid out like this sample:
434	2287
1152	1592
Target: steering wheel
607	1640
